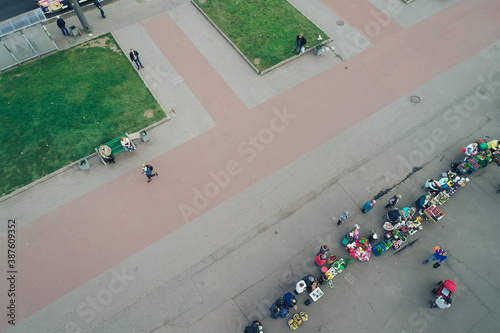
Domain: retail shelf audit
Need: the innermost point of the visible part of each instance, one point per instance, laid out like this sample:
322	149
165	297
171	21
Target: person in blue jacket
394	215
422	201
439	254
97	3
290	300
368	206
275	311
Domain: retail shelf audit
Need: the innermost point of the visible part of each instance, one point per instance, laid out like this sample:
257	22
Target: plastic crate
387	244
378	248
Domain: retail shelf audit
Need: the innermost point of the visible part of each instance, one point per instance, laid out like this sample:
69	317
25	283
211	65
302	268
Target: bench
115	145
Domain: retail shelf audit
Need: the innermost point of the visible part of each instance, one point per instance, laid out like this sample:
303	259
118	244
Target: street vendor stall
316	294
337	267
449	187
483	158
477	155
441	198
358	247
433	213
468	166
397	235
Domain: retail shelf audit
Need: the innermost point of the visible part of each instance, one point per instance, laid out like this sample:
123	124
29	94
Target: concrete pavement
229	263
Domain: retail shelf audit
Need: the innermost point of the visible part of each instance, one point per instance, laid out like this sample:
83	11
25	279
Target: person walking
439	254
62	25
301	41
134	56
343	217
148	171
393	201
368	206
97	3
441	302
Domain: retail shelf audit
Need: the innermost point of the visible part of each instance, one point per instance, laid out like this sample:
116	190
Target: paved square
255	169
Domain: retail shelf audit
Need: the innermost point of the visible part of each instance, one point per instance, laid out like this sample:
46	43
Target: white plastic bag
302	49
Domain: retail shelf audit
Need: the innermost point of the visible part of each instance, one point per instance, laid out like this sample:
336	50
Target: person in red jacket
320	259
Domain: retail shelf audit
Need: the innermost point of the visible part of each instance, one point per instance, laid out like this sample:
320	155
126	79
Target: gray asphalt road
11	8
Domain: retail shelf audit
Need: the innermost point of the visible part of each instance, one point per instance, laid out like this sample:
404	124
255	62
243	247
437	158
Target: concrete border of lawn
226	38
286	61
267	70
71	165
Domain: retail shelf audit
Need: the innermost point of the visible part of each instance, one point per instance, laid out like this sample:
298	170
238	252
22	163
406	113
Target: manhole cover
340	23
149	114
415	99
256	61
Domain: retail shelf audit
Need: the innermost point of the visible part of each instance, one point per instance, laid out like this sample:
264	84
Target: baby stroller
445	288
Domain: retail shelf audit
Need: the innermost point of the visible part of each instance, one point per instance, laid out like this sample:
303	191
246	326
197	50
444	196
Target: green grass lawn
55	110
265	31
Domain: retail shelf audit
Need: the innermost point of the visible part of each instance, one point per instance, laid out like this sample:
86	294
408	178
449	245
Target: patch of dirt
99	42
149	114
256	61
17	75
